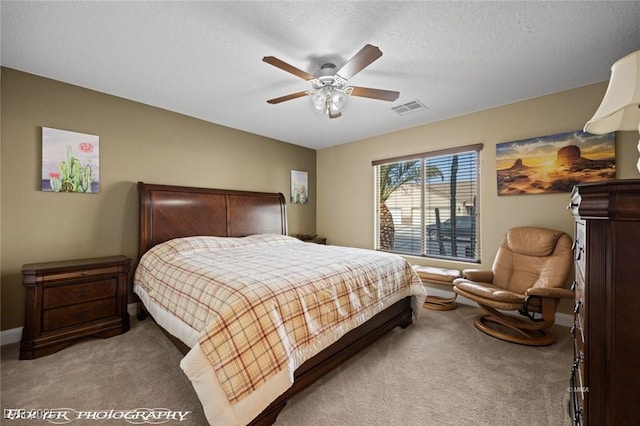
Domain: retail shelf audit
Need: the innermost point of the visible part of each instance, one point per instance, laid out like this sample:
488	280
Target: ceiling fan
330	89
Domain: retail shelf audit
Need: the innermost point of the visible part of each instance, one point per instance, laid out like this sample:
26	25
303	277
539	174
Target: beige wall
137	142
345	176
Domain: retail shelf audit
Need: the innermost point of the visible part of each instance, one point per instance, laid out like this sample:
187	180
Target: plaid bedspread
261	302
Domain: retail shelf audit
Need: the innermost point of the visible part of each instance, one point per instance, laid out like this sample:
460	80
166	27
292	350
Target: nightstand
74	299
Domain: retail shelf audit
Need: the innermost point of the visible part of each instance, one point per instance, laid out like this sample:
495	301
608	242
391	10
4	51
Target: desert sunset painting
554	163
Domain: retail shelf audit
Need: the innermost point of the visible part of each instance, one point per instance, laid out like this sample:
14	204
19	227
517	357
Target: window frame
423	190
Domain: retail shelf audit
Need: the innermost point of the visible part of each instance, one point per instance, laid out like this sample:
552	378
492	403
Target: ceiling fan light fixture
333	109
319	100
328	100
330	90
337	101
338	98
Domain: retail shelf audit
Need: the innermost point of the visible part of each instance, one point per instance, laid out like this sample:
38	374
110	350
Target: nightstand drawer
63	295
53	276
54	319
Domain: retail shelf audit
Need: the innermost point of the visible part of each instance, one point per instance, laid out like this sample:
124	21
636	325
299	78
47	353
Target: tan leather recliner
530	274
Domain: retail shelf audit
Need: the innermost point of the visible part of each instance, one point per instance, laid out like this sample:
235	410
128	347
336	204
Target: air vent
409	107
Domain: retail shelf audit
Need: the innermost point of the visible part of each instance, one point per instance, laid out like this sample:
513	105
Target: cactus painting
69	161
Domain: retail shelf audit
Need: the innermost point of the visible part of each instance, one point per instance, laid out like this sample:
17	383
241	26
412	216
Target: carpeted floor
439	371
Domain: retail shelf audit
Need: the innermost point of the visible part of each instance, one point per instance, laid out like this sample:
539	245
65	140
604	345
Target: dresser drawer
71	294
579	248
578	347
67	316
578	334
578	370
579	307
576	402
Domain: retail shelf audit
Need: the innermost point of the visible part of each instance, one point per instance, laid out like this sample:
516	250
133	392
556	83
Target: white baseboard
10	336
564	320
15	334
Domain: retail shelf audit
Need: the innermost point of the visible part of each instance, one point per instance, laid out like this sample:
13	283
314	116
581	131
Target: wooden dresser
70	300
605	377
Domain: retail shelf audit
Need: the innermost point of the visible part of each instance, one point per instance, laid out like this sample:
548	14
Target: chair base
502	330
437	303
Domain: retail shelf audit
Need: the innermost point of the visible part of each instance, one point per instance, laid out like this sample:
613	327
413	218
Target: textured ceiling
204	59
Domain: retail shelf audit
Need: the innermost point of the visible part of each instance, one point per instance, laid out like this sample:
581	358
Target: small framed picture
299	187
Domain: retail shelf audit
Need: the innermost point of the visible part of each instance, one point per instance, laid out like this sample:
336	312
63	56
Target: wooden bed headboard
168	212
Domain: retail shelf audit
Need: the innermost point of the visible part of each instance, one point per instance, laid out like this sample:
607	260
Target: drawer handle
577	360
578	416
578	305
573	285
83	273
83	292
82	314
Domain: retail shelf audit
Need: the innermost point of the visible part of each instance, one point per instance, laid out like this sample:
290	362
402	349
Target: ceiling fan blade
359	61
288	97
366	92
272	60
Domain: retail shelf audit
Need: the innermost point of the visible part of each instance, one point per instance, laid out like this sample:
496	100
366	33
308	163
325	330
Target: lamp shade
620	108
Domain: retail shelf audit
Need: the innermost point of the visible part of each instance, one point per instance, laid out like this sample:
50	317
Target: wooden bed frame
168	212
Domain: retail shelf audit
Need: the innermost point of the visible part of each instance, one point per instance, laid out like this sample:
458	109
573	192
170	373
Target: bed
207	234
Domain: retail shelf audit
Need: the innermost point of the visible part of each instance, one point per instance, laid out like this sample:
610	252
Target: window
427	204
